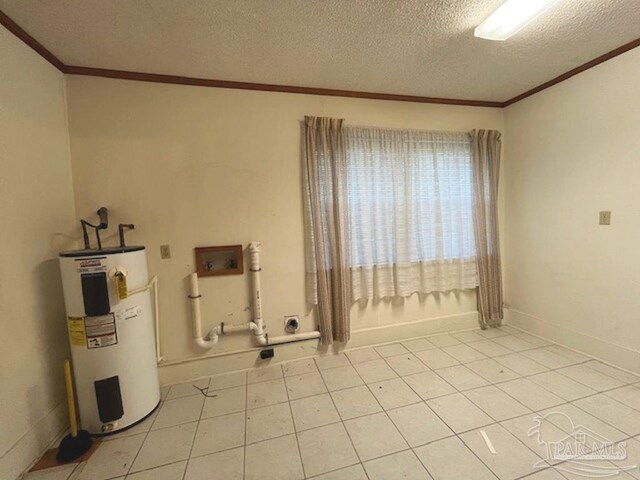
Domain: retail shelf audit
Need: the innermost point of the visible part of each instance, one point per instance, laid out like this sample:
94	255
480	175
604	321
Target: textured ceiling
411	47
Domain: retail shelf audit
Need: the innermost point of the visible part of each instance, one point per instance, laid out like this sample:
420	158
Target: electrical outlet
165	251
291	323
605	217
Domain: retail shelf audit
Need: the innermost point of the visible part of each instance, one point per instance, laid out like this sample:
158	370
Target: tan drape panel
325	185
485	150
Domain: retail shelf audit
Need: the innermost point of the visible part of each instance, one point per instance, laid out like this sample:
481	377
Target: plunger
78	442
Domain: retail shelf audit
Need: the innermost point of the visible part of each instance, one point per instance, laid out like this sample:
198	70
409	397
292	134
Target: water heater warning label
101	331
77	334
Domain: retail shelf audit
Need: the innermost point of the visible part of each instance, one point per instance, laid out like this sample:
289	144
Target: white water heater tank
112	338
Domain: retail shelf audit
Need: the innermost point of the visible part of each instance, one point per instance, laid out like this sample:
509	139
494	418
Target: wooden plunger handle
71	403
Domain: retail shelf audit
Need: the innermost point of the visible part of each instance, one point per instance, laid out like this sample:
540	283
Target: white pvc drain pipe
256	326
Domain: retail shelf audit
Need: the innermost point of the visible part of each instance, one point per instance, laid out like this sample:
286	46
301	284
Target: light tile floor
407	410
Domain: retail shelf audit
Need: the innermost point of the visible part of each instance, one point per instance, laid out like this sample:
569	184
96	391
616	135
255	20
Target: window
393	212
410	211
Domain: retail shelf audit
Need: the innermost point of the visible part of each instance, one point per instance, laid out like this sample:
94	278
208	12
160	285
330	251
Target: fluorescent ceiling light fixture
510	17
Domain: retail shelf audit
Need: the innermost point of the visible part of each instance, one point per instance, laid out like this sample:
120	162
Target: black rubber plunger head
74	447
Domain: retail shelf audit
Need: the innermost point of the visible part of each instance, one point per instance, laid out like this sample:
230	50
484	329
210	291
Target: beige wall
197	166
574	150
36	214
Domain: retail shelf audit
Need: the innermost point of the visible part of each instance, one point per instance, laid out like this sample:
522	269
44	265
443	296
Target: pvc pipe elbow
257	327
258	333
206	344
209	341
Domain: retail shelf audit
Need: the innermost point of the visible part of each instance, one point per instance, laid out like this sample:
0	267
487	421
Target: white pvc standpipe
194	295
261	336
254	267
196	321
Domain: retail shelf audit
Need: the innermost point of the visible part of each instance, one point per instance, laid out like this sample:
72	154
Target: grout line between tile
159	407
195	434
340	416
293	425
244	447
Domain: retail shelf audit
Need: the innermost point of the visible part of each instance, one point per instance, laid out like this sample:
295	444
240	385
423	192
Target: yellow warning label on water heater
77	333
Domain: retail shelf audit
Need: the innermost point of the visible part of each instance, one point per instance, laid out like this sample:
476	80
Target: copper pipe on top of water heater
103	213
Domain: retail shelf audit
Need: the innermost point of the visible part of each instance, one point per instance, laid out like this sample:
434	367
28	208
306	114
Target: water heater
112	337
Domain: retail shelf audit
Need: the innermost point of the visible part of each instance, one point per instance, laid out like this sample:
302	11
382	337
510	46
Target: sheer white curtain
410	207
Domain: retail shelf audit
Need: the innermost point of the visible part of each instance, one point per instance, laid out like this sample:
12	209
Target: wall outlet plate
605	217
291	323
267	353
165	251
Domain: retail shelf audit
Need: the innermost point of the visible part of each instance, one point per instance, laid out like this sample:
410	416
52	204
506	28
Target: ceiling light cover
510	17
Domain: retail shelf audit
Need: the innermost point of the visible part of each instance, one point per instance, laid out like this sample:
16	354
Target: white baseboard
34	443
401	331
610	352
204	366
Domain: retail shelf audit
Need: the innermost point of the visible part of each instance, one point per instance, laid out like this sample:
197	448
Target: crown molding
585	66
40	49
265	87
19	32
